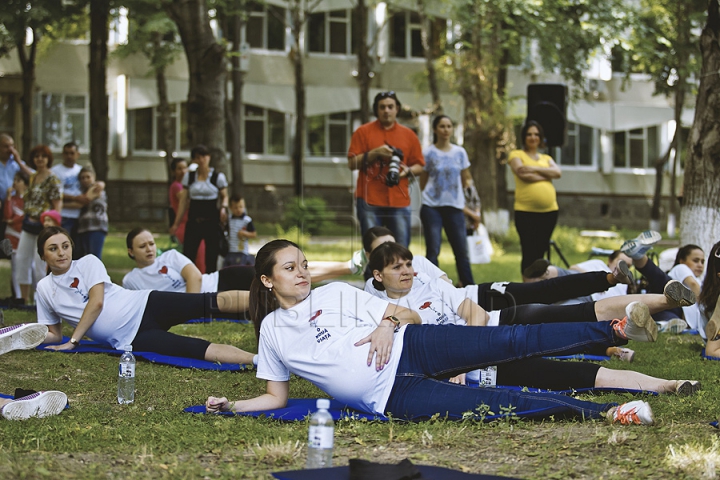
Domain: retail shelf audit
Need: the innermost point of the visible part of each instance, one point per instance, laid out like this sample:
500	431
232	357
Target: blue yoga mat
2	395
707	357
88	346
572	391
343	473
210	320
581	356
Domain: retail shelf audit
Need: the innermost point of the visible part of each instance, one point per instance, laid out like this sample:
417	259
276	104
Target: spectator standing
204	197
44	193
240	229
73	200
536	208
178	167
370	152
446	173
13	215
10	164
92	224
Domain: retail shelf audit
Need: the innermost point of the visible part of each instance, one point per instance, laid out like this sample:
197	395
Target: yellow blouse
538	197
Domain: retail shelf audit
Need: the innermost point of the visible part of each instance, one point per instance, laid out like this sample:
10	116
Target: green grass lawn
153	438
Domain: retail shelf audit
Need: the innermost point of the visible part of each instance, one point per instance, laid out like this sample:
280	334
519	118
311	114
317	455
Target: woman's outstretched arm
96	299
275	396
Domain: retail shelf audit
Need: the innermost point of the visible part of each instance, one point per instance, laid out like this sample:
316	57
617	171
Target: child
51	218
241	228
13	215
93	221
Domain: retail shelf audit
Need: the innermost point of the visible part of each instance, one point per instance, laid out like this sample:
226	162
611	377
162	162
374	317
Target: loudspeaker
547	105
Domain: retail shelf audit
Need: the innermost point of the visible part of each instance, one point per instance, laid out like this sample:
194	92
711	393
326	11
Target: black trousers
535	230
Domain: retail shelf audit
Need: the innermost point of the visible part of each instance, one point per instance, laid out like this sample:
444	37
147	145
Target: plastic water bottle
488	376
126	377
321	436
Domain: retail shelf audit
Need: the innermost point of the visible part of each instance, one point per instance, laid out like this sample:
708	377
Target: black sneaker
536	269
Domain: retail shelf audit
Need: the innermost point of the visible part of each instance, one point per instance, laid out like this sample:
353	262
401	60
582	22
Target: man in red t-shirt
370	152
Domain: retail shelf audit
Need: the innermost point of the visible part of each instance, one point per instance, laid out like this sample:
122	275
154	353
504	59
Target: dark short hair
383	96
22	177
71	145
174	163
40	150
526	127
373	233
383	256
199	150
48	232
236	197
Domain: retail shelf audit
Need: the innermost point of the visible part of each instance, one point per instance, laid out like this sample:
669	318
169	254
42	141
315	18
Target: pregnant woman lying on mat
375	357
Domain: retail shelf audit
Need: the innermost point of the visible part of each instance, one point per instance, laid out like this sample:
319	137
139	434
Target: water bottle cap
128	348
323	403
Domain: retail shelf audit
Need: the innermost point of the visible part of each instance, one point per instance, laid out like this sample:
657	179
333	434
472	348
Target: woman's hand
216	405
458	379
381	341
63	347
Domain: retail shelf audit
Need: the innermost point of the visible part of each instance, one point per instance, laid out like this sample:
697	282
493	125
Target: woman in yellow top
536	208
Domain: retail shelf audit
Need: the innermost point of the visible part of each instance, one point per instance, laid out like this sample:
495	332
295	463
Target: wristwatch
74	342
394	320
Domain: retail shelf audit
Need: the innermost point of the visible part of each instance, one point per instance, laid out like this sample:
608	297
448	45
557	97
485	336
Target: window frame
84	145
154	150
264	15
631	135
328	121
328	20
409	28
264	118
574	130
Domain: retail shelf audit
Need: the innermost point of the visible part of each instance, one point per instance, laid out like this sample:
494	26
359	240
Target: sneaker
357	262
687	387
638	325
639	246
21	337
40	404
637	412
678	295
536	269
623	354
623	274
712	329
674	326
5	248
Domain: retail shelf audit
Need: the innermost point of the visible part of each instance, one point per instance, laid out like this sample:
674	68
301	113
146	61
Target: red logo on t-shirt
425	305
163	270
317	314
75	283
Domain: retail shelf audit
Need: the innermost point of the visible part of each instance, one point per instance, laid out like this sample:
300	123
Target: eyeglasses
388	94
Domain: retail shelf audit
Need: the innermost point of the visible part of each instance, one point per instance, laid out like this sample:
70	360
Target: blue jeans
92	243
397	220
434	219
433	353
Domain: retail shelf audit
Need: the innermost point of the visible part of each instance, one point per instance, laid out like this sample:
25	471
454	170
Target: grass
153	438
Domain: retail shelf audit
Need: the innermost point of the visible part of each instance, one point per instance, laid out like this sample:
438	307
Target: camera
393	176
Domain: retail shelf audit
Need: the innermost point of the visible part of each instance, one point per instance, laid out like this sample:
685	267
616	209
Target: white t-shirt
164	275
423	265
64	297
315	340
444	187
70	185
434	299
694	318
204	189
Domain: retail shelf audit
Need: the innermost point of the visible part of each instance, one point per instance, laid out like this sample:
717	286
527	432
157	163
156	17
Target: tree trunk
700	219
165	137
27	63
207	70
429	54
99	16
236	110
297	56
364	61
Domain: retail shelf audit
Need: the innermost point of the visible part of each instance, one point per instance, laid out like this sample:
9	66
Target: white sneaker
22	337
637	325
639	246
40	404
675	326
357	262
637	412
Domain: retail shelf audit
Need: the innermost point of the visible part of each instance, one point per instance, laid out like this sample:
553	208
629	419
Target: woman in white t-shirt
443	180
439	303
329	336
709	314
174	272
81	293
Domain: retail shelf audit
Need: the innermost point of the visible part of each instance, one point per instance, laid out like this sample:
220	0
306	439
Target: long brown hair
711	285
262	300
45	234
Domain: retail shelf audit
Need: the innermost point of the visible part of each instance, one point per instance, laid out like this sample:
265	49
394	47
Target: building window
328	135
406	35
145	128
578	150
331	32
264	131
637	148
62	119
266	27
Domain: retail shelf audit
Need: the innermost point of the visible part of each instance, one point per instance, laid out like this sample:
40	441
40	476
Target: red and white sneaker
40	404
638	325
22	337
635	412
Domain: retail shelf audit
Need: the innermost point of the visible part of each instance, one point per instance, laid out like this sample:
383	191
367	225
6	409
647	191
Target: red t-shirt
371	182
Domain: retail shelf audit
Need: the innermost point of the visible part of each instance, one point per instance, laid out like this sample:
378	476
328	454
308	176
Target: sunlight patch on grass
694	459
277	452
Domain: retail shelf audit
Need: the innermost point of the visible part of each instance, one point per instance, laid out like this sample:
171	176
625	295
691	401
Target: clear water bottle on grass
321	436
126	377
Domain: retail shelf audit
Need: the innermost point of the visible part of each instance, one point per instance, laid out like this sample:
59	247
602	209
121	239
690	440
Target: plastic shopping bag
480	247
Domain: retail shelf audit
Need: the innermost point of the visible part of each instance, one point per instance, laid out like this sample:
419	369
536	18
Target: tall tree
664	44
700	218
152	34
207	67
431	51
97	70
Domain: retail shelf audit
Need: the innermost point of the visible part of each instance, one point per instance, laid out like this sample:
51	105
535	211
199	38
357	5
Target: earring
269	289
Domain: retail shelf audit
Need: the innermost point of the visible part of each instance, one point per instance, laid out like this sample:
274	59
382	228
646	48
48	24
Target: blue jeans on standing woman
433	353
434	219
397	220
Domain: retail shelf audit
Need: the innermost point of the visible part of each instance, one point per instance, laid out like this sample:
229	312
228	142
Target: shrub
310	215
